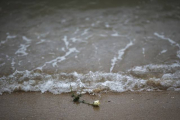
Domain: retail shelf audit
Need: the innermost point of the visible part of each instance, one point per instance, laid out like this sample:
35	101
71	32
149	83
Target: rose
96	103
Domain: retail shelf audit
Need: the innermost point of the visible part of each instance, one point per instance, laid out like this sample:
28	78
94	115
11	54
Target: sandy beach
114	106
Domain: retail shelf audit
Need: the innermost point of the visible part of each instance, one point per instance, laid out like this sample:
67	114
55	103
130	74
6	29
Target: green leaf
76	99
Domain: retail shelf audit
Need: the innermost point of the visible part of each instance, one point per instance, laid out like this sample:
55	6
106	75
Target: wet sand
114	106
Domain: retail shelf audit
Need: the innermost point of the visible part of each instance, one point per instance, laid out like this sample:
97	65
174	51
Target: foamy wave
162	72
91	82
155	68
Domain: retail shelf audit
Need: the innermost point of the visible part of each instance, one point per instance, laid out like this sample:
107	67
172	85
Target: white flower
96	103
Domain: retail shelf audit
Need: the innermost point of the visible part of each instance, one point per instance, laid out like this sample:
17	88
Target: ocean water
92	45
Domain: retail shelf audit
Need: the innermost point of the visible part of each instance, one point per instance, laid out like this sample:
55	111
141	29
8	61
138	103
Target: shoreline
162	105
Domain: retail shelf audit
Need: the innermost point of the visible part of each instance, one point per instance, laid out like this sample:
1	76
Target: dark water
97	45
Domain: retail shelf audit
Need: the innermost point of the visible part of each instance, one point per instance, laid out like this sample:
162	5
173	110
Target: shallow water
96	45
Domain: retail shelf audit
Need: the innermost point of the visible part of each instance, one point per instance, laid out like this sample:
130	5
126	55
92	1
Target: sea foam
90	82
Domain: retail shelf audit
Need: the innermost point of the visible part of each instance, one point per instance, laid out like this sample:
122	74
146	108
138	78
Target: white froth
167	76
168	39
23	47
7	38
113	62
63	49
178	53
77	30
154	68
143	51
44	34
71	50
22	50
115	35
41	35
58	59
3	42
85	32
11	36
41	41
75	39
86	38
8	58
107	25
19	63
26	39
65	41
92	24
163	51
12	64
122	51
120	54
